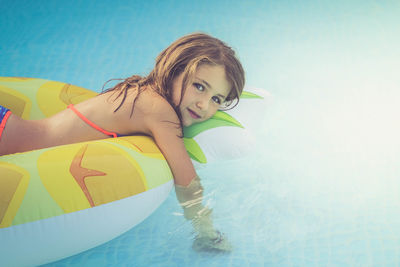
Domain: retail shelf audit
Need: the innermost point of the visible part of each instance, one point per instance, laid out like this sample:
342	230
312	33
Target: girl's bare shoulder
157	106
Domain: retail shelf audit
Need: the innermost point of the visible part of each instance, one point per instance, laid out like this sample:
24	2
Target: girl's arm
164	126
189	190
174	151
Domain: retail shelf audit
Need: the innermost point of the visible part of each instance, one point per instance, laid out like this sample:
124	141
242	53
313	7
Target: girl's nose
202	103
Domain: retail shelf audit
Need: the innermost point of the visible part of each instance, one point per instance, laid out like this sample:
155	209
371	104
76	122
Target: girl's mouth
193	114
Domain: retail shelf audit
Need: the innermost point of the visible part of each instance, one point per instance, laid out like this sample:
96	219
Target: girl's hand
208	239
216	243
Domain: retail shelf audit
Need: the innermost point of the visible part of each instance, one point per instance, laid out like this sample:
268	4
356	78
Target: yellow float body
59	201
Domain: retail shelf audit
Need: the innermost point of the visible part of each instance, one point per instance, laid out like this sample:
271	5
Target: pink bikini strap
95	126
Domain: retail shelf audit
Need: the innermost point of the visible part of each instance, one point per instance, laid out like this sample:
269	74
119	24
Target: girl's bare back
66	127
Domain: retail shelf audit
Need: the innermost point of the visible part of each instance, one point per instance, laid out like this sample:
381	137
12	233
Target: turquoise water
322	188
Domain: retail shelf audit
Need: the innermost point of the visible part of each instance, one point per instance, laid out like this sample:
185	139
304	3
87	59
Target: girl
192	78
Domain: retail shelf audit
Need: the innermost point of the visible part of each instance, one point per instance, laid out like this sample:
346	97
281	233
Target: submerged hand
216	242
208	239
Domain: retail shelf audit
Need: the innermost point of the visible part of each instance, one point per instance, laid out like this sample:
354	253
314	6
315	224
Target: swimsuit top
95	126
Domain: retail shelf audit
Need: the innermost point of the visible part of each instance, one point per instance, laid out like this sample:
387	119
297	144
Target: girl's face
204	96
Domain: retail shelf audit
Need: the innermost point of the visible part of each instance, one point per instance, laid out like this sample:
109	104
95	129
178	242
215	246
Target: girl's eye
217	100
199	87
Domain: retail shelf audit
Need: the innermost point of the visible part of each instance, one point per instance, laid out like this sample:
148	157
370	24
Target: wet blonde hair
185	55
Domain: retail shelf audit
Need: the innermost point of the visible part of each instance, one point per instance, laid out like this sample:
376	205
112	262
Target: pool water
322	186
273	216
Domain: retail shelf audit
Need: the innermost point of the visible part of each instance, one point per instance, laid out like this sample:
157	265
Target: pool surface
322	186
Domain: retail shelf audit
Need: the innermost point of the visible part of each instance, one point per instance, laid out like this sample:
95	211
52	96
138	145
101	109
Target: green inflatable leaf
194	150
219	119
223	116
246	94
